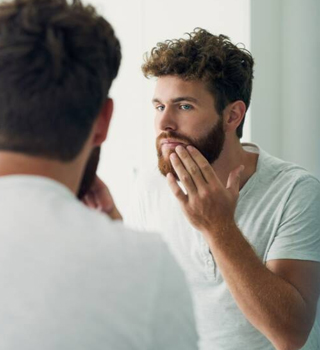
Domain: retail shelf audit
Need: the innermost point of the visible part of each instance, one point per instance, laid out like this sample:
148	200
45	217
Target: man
70	277
245	226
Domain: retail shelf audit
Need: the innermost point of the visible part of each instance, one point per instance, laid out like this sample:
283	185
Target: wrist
221	231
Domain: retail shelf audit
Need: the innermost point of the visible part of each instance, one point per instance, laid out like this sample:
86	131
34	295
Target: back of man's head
57	63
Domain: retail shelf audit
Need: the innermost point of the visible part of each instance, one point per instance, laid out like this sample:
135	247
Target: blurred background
284	39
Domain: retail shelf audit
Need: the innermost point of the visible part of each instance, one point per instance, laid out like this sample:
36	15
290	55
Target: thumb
233	184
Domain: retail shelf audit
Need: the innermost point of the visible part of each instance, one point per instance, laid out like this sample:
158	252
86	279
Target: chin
165	167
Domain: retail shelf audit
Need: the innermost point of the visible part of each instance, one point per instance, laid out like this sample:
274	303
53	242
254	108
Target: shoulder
145	245
295	187
287	174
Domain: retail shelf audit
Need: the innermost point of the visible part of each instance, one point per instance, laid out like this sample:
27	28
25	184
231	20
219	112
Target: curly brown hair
226	68
58	59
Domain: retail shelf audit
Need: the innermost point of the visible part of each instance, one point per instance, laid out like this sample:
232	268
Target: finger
102	195
182	174
84	201
99	186
115	214
191	166
89	201
175	188
233	184
205	167
104	201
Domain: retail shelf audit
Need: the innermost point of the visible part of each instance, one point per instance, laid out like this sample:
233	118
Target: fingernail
179	148
190	148
173	156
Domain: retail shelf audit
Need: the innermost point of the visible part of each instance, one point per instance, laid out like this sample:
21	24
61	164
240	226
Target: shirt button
210	263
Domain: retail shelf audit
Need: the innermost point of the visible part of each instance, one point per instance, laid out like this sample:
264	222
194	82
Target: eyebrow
178	99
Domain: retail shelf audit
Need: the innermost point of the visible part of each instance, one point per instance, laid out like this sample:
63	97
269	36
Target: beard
210	145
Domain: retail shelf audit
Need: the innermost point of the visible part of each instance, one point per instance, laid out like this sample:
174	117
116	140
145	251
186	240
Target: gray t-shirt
278	211
71	279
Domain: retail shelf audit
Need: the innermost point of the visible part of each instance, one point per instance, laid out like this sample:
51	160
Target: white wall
266	128
140	24
300	87
285	41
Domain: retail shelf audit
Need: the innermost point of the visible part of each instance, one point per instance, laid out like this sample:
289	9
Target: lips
171	143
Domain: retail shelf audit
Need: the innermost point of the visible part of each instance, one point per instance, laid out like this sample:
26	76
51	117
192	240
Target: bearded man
244	225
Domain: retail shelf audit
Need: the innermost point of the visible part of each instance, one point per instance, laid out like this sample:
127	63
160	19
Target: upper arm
298	233
295	252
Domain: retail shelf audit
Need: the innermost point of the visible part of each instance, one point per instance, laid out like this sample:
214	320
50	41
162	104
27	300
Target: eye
159	108
186	107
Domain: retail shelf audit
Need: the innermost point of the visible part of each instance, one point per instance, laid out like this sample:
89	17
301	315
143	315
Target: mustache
174	135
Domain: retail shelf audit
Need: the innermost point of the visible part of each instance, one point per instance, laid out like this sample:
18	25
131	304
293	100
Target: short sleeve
298	235
174	323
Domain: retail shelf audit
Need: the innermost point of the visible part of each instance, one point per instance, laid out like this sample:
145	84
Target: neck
231	157
67	173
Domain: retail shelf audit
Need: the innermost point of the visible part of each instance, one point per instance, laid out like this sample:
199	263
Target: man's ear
234	114
101	125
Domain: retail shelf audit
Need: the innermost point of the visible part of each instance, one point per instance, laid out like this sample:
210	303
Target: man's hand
208	204
100	198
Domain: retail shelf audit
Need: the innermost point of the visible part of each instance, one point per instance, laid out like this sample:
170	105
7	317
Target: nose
166	120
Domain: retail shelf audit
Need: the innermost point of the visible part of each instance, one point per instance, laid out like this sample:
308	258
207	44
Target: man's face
186	115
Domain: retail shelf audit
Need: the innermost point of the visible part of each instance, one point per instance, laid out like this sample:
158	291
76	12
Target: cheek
157	130
156	127
203	126
156	123
196	130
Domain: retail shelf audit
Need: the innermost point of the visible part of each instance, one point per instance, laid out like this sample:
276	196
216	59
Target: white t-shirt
278	211
70	278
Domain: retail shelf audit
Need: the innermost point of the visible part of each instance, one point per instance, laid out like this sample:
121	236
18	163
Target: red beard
210	146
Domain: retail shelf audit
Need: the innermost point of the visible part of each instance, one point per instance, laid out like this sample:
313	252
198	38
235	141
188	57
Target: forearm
271	304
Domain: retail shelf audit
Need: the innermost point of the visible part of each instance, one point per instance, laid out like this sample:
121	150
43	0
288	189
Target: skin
195	118
278	298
